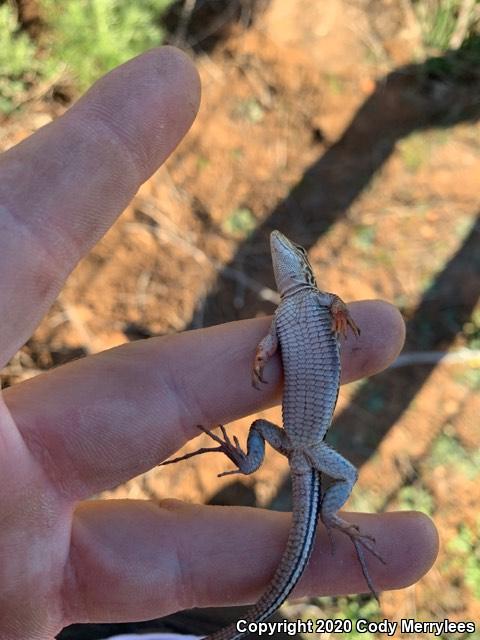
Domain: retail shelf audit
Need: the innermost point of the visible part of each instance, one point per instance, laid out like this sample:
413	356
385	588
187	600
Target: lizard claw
355	329
360	541
341	318
232	450
228	473
257	378
367	541
197	452
265	349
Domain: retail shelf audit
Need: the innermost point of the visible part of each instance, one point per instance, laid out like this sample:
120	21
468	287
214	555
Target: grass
364	236
470	378
450	35
471	330
19	67
415	498
353	608
447	24
94	36
417	148
465	556
448	451
414	151
86	38
438	19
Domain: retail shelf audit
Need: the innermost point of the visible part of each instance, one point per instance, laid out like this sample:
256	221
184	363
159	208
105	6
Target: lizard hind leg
246	462
344	474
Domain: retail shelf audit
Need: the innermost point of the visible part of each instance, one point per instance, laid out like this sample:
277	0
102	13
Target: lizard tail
306	507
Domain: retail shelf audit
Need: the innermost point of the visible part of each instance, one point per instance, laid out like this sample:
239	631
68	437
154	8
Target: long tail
306	505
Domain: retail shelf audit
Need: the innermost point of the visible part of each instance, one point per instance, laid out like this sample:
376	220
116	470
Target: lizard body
305	329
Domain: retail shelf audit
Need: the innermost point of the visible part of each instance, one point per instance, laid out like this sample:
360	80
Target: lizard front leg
266	348
247	462
331	463
341	318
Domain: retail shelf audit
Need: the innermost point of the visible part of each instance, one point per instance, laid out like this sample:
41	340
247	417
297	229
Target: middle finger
100	421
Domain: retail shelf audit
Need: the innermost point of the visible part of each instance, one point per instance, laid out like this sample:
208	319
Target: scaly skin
305	328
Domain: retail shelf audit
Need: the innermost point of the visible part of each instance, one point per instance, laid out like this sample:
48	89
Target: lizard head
291	266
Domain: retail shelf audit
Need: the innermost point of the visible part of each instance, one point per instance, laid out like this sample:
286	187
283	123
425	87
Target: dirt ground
327	123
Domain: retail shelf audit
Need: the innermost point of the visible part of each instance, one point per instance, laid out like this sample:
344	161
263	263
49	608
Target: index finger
64	186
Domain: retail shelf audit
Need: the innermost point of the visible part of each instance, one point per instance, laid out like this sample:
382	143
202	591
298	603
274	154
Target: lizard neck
294	288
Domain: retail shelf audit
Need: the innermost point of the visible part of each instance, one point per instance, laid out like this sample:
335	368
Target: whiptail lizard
305	329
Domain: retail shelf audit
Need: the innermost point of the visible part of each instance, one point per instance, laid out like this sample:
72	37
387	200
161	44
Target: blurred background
353	127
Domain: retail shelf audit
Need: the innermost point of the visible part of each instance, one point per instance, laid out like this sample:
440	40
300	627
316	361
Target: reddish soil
326	124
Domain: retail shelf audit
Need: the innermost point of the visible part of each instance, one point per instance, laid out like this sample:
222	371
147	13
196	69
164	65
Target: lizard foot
341	318
267	346
220	448
257	371
360	541
232	450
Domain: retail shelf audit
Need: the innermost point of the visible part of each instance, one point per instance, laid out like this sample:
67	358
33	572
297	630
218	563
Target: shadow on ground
410	99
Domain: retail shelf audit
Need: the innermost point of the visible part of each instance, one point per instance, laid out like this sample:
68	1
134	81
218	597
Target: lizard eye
300	249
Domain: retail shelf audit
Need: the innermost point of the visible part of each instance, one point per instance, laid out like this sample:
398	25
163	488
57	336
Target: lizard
306	330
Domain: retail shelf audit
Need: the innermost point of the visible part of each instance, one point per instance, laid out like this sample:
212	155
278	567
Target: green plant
414	151
465	546
93	36
451	36
240	222
250	110
18	66
416	498
471	330
447	451
469	378
351	608
438	19
364	236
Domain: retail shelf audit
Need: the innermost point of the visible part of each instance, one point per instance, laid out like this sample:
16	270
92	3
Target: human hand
97	422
